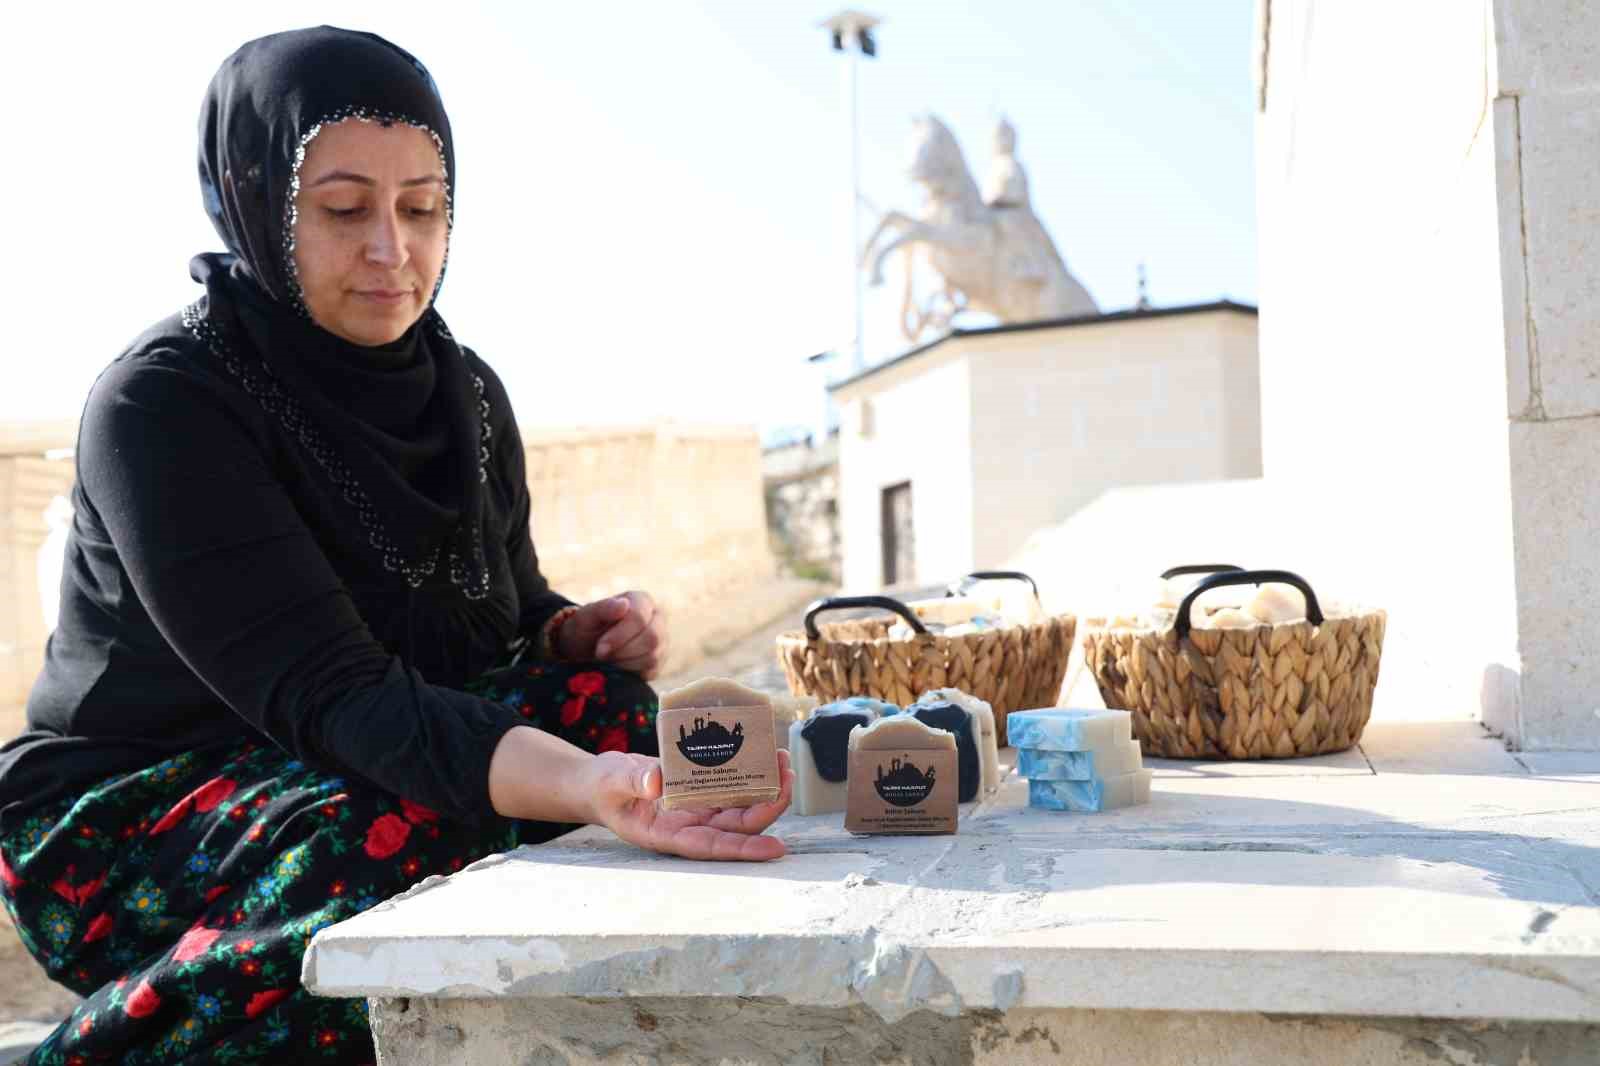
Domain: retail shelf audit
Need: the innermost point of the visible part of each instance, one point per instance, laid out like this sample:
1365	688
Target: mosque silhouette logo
904	785
711	743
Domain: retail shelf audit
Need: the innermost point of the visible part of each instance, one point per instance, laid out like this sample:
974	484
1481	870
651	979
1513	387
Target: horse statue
990	248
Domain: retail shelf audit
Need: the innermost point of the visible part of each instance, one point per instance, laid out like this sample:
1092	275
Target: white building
952	454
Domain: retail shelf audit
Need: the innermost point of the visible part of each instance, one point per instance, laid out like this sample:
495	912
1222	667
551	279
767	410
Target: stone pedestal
747	1032
1427	894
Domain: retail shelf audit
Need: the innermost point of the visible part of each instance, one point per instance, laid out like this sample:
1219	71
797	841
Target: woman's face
371	232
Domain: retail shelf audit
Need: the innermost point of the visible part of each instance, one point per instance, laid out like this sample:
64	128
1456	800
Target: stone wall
802	494
676	510
32	473
1429	358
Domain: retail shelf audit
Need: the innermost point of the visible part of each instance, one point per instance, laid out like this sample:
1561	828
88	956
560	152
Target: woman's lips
384	297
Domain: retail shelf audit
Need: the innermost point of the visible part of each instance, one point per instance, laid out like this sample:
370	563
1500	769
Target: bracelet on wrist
550	634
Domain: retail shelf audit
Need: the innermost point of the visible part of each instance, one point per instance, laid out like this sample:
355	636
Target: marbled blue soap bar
1060	729
1120	758
1101	794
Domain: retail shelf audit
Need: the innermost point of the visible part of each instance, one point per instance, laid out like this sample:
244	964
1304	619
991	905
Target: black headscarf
399	429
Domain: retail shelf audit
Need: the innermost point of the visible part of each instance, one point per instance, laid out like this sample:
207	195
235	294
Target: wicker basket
1014	668
1266	692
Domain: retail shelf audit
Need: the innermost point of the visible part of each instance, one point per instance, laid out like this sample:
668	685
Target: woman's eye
422	212
343	212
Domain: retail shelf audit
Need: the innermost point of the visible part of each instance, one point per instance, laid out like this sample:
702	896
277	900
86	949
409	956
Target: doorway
899	540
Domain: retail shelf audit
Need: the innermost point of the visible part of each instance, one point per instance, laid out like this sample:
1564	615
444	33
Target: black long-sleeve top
217	587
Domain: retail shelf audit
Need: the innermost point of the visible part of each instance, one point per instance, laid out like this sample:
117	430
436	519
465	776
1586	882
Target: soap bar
903	778
1227	618
819	748
957	721
983	718
1277	601
718	747
1037	764
946	611
980	623
1101	794
1062	729
899	731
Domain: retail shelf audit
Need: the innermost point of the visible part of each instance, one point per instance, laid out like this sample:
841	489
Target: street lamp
851	32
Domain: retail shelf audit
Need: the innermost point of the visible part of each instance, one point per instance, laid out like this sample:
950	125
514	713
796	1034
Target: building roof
1048	323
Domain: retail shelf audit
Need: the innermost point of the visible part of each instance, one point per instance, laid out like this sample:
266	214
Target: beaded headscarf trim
258	380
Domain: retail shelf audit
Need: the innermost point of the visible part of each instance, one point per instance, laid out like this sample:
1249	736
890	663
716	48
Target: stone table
1427	897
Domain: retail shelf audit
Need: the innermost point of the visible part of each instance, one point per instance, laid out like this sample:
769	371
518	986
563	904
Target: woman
300	563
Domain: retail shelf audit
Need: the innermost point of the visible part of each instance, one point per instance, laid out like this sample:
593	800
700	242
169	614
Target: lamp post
852	35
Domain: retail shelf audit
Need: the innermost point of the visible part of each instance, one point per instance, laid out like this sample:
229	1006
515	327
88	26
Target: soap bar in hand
718	747
1061	729
819	748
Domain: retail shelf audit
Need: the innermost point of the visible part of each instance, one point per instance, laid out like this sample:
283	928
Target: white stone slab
1450	895
1436	748
1577	764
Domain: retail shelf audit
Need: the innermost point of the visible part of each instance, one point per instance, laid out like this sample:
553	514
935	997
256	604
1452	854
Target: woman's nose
385	248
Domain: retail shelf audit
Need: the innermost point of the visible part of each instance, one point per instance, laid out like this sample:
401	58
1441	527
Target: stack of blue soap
1078	760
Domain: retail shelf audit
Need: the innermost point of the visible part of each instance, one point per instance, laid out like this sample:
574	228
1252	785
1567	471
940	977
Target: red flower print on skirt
216	890
8	876
588	683
195	943
213	792
614	739
417	814
143	1002
572	710
77	894
97	929
206	798
263	1001
387	835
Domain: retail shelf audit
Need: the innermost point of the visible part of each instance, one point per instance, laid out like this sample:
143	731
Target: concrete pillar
1429	360
1547	123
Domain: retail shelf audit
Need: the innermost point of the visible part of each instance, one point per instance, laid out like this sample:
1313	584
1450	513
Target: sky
652	198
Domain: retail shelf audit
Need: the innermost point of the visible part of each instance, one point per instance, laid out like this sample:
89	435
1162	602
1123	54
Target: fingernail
602	649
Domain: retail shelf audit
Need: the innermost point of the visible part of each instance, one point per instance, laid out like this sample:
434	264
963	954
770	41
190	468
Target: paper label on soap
717	749
899	791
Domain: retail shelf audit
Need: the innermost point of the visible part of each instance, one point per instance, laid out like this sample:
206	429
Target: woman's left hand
629	631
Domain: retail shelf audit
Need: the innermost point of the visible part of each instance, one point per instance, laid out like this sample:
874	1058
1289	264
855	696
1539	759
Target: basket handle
1247	577
959	588
834	603
1198	568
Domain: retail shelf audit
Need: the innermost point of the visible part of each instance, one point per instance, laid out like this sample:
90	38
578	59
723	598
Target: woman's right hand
626	794
539	776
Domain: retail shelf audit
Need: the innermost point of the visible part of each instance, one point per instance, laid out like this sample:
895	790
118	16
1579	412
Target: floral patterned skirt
178	900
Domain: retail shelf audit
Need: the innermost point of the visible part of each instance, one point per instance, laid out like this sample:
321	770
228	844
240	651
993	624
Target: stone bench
1428	898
